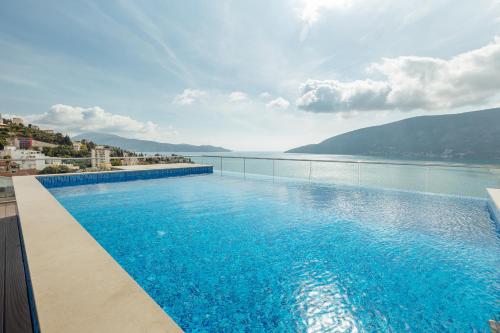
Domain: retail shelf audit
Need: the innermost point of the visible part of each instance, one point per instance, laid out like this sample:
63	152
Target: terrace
76	282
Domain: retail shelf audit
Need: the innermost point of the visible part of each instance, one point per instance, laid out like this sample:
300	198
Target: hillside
10	131
53	144
144	145
470	136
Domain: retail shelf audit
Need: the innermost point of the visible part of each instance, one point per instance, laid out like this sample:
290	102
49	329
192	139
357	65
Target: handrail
423	164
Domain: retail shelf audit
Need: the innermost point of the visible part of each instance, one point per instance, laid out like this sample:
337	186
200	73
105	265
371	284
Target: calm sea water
446	179
225	254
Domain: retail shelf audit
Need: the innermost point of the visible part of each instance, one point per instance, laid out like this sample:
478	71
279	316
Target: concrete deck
78	287
494	202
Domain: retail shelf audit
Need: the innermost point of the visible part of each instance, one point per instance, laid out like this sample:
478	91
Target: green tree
51	169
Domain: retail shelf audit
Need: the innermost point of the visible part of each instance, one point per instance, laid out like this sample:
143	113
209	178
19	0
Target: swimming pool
224	254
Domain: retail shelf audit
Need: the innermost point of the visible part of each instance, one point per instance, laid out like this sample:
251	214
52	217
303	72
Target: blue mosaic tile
118	176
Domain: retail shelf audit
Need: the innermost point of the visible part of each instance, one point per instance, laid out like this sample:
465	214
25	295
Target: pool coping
77	285
494	204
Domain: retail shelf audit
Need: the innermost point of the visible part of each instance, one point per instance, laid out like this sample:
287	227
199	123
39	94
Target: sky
245	75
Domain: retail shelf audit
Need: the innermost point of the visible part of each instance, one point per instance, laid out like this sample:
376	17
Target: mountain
472	136
144	145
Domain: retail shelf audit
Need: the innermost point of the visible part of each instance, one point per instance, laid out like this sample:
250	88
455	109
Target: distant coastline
137	145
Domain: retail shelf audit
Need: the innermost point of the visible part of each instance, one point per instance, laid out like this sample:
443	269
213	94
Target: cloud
278	103
411	82
189	96
265	95
74	119
309	12
238	96
332	95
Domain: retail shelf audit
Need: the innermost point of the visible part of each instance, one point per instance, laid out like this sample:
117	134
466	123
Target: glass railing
6	188
440	178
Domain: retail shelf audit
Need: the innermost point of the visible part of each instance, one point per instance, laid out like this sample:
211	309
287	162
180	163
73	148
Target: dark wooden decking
15	313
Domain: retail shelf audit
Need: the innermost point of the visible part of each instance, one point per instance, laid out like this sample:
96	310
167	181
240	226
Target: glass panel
339	173
259	167
463	181
292	169
403	177
6	189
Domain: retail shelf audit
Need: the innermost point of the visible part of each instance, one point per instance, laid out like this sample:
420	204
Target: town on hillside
26	149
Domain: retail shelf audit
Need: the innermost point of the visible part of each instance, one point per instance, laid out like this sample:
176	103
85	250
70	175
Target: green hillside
64	143
470	136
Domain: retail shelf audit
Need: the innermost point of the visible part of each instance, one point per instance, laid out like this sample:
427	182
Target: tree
55	169
67	140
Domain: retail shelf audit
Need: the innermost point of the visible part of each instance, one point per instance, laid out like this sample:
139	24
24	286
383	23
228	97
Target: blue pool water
225	254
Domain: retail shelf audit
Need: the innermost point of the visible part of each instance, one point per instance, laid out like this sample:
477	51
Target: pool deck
77	285
494	204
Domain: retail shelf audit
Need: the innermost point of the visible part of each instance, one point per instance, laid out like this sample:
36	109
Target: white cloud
238	96
265	95
333	96
411	82
74	119
309	11
278	103
189	96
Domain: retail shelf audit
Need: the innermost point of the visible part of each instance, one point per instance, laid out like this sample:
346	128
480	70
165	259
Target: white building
26	159
77	145
100	158
17	121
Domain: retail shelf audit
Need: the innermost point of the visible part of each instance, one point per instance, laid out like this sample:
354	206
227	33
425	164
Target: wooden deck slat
17	311
2	273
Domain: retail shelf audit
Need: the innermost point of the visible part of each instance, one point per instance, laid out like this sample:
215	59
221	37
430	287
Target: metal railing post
221	165
427	179
244	168
359	174
310	170
273	171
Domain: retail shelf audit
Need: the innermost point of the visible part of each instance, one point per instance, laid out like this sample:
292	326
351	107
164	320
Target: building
48	131
41	144
25	159
23	143
101	158
77	145
17	121
35	127
130	159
